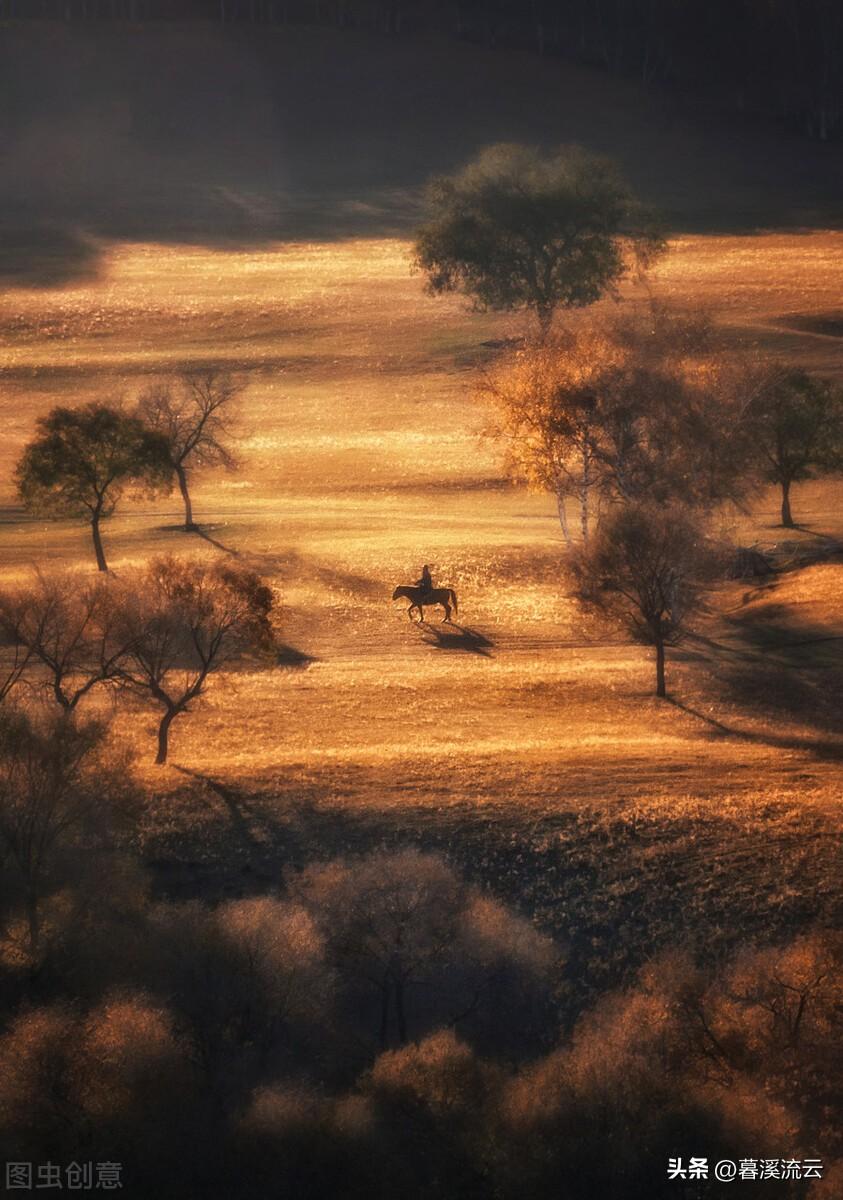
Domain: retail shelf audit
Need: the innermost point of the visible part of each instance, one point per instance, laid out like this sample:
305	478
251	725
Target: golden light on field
361	459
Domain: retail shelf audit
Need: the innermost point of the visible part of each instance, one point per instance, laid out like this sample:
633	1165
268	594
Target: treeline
783	59
372	1027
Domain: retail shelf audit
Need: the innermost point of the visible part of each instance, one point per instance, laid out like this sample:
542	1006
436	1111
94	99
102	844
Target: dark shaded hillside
784	59
164	132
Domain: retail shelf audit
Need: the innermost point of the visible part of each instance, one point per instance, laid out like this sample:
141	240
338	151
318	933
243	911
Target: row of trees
647	427
785	58
649	406
82	460
157	634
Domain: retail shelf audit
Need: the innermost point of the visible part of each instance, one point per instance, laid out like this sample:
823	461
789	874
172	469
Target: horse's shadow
449	636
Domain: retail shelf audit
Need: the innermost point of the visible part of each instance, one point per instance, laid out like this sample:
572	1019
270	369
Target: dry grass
524	741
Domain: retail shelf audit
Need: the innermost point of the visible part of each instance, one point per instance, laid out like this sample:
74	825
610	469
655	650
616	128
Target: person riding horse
426	581
423	592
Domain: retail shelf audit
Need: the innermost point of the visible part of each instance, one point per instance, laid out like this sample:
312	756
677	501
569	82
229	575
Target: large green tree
516	229
82	460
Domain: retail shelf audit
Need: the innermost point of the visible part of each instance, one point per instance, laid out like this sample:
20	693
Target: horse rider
426	581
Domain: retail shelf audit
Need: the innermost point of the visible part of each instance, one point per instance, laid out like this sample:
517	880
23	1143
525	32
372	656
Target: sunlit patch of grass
536	752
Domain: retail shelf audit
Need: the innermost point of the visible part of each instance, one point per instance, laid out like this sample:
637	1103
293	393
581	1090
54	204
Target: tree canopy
797	428
633	407
82	460
517	229
643	569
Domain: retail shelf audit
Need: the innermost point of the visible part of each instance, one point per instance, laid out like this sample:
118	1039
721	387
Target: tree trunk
164	735
563	516
661	690
384	1012
400	1012
98	550
185	495
584	494
33	920
787	515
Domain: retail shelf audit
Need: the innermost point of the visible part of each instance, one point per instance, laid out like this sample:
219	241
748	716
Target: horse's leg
410	612
446	620
421	614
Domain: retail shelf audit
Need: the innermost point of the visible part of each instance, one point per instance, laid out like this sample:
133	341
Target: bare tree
65	623
195	414
180	622
643	569
17	658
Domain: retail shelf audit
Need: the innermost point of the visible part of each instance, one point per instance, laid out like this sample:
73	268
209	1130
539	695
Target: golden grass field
361	459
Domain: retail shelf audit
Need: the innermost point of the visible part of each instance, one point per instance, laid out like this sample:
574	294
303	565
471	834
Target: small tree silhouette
83	459
195	415
180	622
643	569
797	426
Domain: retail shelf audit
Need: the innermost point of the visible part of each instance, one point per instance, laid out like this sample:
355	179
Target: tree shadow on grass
457	637
291	563
205	535
240	811
780	670
246	844
822	748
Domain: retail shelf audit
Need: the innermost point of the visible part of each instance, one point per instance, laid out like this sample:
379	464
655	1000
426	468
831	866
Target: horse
417	596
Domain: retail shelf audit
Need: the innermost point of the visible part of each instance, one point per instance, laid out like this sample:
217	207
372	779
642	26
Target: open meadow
442	910
524	735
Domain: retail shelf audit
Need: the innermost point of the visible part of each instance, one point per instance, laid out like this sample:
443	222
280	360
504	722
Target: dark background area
326	124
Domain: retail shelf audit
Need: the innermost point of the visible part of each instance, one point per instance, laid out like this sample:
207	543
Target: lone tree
182	621
797	426
195	413
514	229
82	461
643	570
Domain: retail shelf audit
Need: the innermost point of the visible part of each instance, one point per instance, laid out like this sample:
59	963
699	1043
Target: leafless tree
195	413
65	624
16	660
180	622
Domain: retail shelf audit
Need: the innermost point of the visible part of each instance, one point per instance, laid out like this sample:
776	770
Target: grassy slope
530	746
